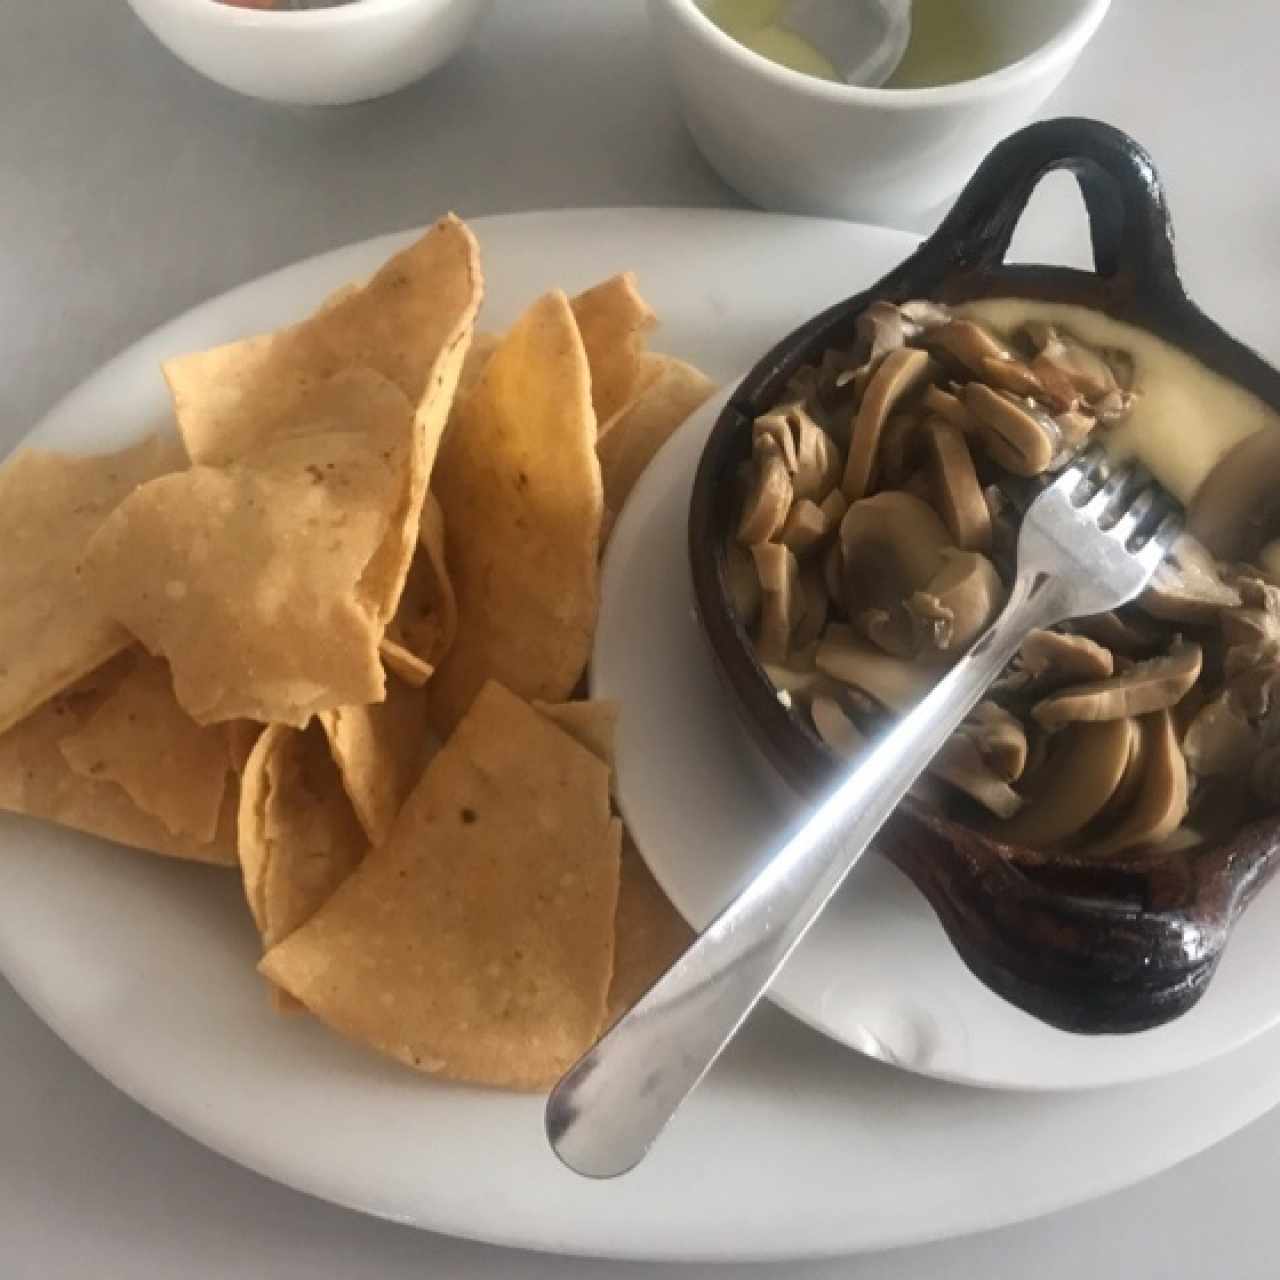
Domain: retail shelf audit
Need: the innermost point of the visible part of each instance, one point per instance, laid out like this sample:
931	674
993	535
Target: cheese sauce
1185	418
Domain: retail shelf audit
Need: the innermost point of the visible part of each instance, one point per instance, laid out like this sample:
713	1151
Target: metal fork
1088	543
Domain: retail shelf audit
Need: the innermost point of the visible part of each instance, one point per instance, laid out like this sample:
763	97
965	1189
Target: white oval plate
793	1147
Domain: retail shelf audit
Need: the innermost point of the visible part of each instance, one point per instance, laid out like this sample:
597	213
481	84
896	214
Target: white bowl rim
1062	46
331	15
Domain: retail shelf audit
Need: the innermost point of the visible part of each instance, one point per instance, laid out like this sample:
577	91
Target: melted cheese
1185	419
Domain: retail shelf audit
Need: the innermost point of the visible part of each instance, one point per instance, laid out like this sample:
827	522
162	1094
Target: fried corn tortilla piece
380	751
416	310
249	578
37	781
142	740
594	723
519	483
671	391
412	323
52	631
299	835
477	944
614	321
426	621
241	736
650	935
483	345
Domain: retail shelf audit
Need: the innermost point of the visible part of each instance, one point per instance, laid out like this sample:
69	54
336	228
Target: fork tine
1136	516
1116	487
1156	547
1078	471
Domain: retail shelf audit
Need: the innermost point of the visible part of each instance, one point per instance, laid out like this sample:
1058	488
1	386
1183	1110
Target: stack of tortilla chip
334	641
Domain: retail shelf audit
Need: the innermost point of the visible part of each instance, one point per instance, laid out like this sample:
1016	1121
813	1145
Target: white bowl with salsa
795	140
329	56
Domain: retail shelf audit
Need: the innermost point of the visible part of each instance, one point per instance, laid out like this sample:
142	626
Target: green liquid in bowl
951	40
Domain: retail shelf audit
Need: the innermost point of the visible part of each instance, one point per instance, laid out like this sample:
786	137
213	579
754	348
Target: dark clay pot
1100	949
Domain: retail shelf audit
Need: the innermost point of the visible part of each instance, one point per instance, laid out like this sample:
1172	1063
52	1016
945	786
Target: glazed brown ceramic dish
1087	949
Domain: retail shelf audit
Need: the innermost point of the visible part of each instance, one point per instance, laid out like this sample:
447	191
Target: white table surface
130	189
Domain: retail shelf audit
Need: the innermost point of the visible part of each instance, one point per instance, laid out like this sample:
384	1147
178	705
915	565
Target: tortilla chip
415	311
477	944
672	391
380	751
412	323
404	664
51	631
483	345
298	832
242	736
650	935
519	483
249	578
139	738
593	723
426	621
36	780
613	319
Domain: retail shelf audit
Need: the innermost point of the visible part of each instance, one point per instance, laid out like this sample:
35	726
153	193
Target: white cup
800	144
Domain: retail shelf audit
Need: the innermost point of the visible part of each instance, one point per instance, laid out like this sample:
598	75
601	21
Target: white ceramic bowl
798	144
314	57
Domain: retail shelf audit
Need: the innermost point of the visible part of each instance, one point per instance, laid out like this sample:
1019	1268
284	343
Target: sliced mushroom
771	434
1149	686
1053	657
999	738
1187	587
1126	790
1075	426
835	728
948	407
818	461
1254	688
960	764
1008	373
767	503
1018	434
833	507
893	682
956	488
1235	511
1114	406
804	528
799	675
893	546
1161	801
743	583
900	449
969	343
1004	527
1088	372
1081	772
833	570
925	314
813	607
1122	633
1220	740
780	600
882	328
966	592
899	374
1255	624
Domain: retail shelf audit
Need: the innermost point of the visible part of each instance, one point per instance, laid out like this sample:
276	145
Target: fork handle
611	1105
